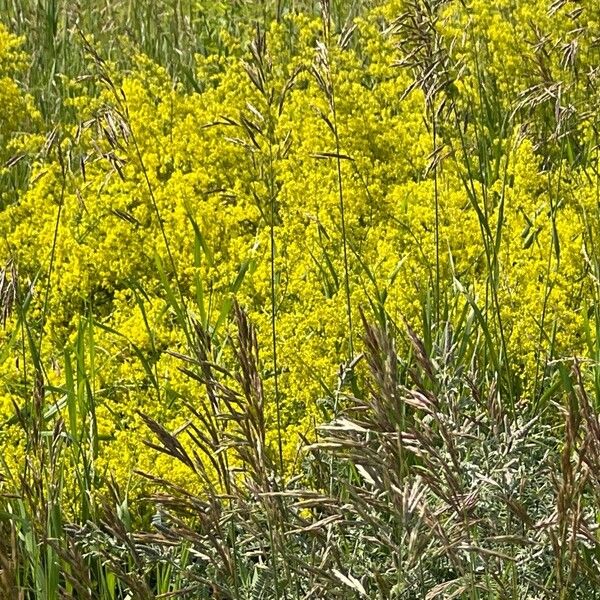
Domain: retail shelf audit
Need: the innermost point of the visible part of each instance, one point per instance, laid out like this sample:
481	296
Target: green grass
171	32
428	480
425	481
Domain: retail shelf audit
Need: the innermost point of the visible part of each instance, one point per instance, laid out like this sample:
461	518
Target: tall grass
449	494
428	480
170	32
325	79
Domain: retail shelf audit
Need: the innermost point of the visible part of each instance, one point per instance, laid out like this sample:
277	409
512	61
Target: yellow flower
177	192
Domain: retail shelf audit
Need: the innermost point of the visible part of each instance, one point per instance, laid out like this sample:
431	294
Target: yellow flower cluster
17	112
165	187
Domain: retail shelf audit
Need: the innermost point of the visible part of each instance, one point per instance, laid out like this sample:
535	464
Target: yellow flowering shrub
18	114
161	186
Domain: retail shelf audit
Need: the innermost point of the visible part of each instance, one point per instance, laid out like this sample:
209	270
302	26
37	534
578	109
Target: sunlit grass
453	277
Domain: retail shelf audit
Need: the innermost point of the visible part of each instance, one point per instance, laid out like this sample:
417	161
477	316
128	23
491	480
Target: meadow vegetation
299	299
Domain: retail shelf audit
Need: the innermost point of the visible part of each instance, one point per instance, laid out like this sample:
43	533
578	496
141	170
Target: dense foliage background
396	202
